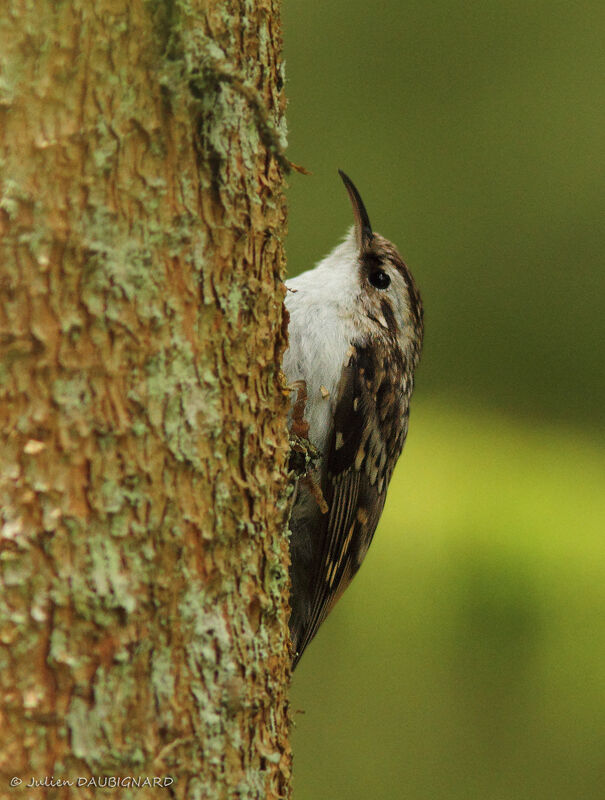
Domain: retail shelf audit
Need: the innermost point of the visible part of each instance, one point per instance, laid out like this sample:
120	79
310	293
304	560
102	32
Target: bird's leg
304	456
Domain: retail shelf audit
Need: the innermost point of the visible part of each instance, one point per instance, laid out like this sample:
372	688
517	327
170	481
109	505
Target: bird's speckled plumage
356	347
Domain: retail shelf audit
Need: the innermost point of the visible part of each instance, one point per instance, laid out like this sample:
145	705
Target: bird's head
385	293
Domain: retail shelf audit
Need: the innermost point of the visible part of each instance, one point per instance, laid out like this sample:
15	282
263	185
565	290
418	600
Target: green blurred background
468	658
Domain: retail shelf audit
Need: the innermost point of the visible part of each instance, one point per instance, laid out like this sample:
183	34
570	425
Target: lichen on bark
143	560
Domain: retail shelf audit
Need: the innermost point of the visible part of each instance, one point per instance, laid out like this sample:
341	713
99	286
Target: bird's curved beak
363	229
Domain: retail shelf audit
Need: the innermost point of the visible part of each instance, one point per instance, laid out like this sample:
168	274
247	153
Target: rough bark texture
143	564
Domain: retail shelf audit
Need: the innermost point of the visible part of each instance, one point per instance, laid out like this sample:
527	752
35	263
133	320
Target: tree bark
143	555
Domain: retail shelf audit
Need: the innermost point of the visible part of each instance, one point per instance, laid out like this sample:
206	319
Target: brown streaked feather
369	418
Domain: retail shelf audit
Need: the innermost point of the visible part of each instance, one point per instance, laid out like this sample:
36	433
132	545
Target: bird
355	333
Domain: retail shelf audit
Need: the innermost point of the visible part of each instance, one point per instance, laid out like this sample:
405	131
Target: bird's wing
357	465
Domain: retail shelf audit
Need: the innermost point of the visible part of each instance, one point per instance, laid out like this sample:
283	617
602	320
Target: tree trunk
143	559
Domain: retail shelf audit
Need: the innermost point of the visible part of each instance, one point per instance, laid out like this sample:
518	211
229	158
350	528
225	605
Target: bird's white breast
323	306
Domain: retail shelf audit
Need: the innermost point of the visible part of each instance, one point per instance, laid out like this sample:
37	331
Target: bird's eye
379	279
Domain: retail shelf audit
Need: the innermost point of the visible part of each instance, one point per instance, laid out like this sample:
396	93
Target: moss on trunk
143	558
